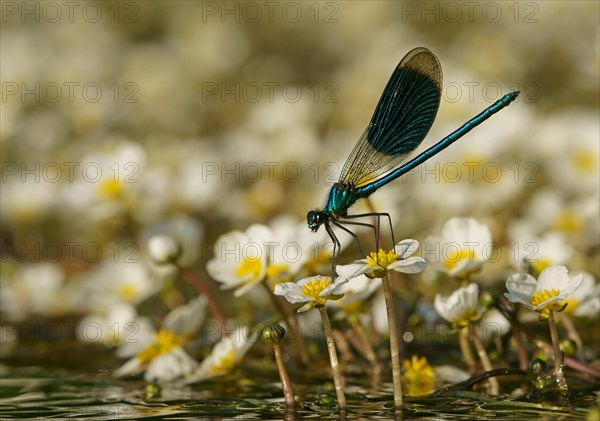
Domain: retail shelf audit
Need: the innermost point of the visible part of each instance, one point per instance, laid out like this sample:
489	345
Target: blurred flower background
121	121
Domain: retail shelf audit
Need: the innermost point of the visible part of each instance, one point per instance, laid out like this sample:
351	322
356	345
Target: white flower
493	325
126	280
225	356
187	232
461	307
164	249
585	300
313	291
38	288
551	249
107	179
24	201
376	265
463	247
161	355
286	255
241	258
170	366
113	325
544	295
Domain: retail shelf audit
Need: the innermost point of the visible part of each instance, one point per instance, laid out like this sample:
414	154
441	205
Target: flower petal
291	291
521	287
413	264
352	270
406	248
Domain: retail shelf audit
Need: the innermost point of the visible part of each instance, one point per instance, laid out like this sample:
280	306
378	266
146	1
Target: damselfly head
315	219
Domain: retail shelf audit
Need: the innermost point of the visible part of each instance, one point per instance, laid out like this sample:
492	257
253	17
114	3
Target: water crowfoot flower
161	355
225	356
377	264
246	266
315	291
462	248
546	296
462	308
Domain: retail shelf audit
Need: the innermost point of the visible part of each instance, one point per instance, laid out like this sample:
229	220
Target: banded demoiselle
402	118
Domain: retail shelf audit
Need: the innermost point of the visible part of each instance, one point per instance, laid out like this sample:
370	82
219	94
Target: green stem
335	368
394	351
558	361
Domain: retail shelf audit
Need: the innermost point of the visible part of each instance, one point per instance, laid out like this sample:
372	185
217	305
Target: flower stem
394	351
337	376
292	323
286	383
368	348
465	348
485	361
198	284
521	351
558	361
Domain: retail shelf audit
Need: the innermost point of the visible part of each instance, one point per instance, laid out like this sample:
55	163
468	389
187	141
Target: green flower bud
568	347
487	300
273	333
152	390
537	366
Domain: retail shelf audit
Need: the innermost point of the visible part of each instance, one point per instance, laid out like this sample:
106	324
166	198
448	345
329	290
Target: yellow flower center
224	364
127	292
111	188
164	342
567	221
383	259
583	161
315	287
250	268
453	258
419	376
539	297
468	316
